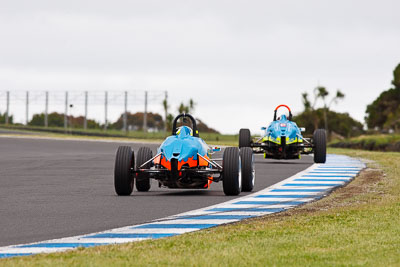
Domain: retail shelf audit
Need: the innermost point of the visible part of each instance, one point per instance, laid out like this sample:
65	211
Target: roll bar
184	115
276	109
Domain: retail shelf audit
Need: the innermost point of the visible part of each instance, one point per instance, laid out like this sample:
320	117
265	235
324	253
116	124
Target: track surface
58	188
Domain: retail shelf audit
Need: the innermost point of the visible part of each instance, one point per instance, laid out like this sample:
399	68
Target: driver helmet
186	129
283	115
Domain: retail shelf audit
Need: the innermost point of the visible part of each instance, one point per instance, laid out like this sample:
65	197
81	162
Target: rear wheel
123	179
142	180
244	138
232	180
248	170
319	146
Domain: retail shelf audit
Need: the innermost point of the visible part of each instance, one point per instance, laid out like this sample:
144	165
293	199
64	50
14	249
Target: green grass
379	138
212	138
371	142
356	225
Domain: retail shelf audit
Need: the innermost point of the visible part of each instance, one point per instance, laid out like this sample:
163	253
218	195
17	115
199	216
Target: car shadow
181	193
283	162
187	193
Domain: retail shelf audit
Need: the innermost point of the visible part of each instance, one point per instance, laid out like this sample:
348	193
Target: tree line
383	114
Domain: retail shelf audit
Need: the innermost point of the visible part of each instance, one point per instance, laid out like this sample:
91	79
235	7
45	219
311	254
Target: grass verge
355	225
377	142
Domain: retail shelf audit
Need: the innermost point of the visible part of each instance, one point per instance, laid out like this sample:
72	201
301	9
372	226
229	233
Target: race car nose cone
177	149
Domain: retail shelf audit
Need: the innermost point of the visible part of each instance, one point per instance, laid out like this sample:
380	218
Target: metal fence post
66	112
27	107
125	117
166	111
7	106
145	112
86	110
105	110
46	110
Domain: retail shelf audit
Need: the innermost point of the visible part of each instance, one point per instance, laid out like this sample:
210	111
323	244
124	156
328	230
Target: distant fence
79	103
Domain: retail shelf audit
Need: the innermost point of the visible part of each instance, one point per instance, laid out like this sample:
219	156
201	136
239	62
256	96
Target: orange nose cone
157	160
190	162
203	162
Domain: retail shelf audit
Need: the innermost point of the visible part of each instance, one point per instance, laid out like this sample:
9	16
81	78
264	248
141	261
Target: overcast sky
236	59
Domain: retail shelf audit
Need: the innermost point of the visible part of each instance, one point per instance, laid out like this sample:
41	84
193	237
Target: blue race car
184	160
283	140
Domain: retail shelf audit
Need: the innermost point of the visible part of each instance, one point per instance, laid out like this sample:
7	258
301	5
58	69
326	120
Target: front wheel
244	138
319	146
248	170
142	180
232	180
123	179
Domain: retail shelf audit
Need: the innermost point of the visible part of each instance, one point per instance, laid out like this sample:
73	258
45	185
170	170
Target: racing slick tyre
244	138
248	170
142	180
232	178
319	146
123	179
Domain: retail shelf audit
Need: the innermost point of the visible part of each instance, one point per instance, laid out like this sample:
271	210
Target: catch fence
102	106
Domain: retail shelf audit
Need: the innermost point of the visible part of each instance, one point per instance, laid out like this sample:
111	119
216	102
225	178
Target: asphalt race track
58	188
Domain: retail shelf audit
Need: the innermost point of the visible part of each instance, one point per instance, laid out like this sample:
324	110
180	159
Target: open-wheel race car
184	160
283	140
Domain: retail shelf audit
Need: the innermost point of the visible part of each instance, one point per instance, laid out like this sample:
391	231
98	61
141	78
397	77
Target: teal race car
283	139
184	161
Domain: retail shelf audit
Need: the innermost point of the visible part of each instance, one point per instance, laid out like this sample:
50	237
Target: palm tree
339	95
183	108
191	105
306	102
320	92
